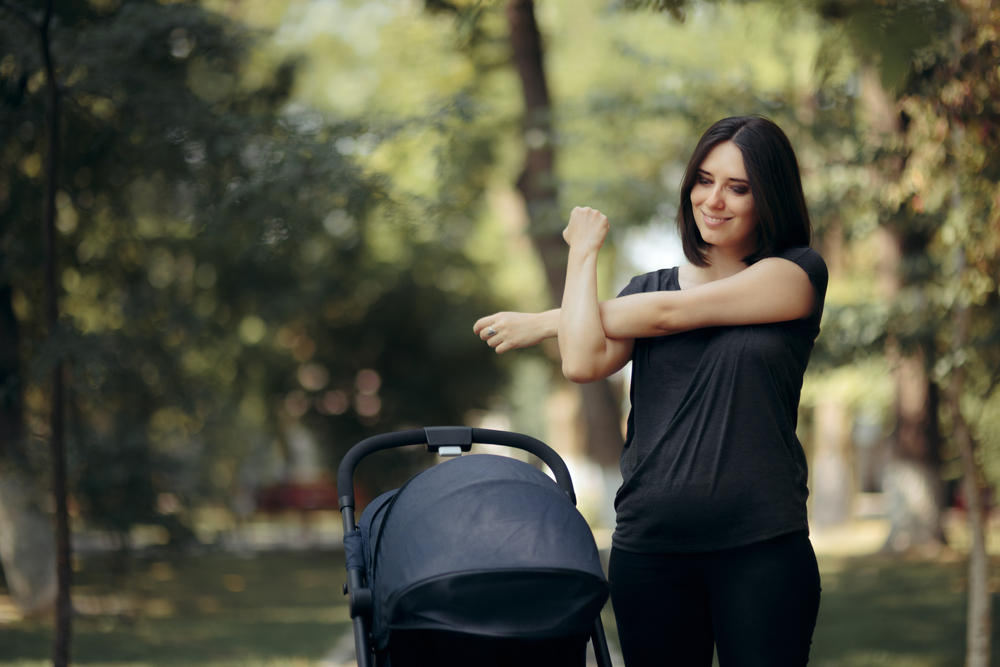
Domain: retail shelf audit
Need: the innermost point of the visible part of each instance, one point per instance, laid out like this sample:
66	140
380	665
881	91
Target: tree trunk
27	547
61	643
537	185
979	614
831	486
912	479
10	378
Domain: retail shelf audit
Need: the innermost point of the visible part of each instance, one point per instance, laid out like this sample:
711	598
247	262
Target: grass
285	609
276	608
877	611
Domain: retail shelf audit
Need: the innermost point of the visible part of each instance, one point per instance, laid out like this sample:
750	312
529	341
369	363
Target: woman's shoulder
800	253
809	259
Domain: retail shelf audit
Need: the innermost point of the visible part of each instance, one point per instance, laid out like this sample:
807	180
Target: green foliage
900	38
224	263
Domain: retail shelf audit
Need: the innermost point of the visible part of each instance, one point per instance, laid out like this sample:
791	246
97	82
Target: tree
227	265
538	186
42	29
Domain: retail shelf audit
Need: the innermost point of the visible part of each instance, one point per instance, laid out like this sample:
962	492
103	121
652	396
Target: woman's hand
510	331
587	229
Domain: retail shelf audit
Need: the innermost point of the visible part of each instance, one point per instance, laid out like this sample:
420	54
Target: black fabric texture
756	604
354	551
482	545
711	460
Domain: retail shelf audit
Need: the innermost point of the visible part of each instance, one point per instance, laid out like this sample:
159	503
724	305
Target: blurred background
276	221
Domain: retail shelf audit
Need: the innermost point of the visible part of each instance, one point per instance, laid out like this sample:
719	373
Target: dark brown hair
773	172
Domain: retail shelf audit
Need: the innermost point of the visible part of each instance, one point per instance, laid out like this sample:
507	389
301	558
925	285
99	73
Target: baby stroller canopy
480	544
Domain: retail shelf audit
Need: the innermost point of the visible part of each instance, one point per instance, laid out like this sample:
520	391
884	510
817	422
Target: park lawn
218	609
878	611
278	609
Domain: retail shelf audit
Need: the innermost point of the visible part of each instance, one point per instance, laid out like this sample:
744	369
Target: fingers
484	329
482	323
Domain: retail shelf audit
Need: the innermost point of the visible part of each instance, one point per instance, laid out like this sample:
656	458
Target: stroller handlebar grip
447	436
345	474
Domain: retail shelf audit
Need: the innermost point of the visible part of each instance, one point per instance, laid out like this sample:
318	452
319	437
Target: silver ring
490	332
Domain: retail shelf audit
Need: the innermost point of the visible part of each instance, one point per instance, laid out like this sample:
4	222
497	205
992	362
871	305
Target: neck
723	262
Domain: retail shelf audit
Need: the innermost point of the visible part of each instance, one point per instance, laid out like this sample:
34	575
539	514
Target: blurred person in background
711	546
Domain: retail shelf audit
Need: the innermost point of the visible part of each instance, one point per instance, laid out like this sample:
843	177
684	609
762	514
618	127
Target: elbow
665	323
579	373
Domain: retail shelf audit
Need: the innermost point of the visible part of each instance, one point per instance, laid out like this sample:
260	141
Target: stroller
481	560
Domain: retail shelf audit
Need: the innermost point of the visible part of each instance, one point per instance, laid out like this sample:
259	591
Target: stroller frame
444	441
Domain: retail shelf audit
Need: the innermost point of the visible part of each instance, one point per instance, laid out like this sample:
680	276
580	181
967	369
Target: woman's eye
741	190
704	181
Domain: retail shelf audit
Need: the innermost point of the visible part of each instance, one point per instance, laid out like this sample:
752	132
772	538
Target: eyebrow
738	180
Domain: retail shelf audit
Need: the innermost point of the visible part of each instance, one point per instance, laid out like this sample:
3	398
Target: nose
715	199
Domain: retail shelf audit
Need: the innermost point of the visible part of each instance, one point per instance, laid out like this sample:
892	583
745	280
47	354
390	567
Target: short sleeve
635	286
813	264
655	281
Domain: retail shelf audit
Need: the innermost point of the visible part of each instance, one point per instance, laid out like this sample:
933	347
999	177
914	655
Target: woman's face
722	202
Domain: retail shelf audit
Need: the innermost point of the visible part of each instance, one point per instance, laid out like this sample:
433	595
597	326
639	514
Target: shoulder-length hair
773	172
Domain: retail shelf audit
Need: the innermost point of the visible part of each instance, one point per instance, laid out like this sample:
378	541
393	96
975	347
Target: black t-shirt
711	459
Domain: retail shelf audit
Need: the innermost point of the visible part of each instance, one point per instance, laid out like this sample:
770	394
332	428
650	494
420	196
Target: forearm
582	343
542	326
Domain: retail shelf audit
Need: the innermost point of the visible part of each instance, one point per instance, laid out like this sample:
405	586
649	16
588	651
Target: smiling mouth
711	220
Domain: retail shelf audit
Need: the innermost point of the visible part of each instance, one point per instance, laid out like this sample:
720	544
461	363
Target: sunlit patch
180	44
333	403
313	376
368	381
159	608
252	329
208	604
296	403
367	406
104	605
234	583
9	613
161	571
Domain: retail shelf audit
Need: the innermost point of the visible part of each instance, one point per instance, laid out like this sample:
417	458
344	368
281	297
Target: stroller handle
462	436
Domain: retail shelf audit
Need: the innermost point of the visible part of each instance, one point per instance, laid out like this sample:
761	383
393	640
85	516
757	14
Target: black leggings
757	604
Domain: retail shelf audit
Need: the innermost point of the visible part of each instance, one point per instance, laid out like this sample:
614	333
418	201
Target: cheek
699	193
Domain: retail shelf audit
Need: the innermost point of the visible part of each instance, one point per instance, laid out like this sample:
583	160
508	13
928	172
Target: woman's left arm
587	353
771	290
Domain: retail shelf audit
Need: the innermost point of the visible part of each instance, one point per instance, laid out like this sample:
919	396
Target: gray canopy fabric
481	544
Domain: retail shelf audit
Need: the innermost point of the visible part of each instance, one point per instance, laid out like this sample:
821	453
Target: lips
712	221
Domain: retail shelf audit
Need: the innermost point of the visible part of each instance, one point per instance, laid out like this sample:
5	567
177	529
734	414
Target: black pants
757	604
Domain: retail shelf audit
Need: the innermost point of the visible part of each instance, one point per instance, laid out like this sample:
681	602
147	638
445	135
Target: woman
711	544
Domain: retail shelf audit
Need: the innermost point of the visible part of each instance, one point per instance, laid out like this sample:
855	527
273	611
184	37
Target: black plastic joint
346	501
448	436
360	602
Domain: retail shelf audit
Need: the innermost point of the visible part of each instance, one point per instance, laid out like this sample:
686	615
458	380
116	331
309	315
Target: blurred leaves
227	267
258	223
